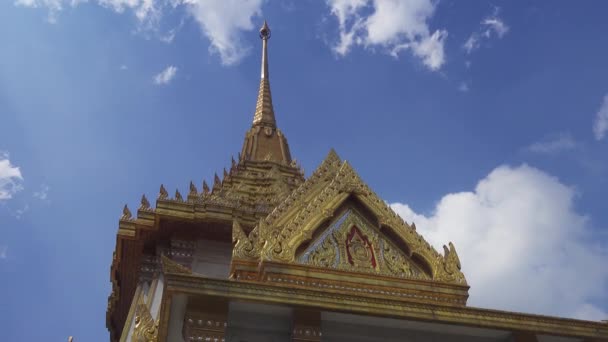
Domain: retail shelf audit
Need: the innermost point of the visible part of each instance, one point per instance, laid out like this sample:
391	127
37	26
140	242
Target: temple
263	253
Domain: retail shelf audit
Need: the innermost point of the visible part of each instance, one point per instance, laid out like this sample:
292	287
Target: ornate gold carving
170	266
351	243
145	204
325	255
293	222
163	194
451	266
126	213
178	196
193	190
146	329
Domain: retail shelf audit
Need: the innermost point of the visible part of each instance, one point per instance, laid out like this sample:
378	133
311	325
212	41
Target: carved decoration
351	243
293	222
178	196
163	194
126	213
146	329
193	190
170	266
145	204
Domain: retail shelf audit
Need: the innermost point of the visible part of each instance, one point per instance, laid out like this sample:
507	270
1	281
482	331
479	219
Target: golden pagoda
265	254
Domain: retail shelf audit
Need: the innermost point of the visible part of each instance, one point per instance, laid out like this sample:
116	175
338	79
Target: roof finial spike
145	204
126	213
205	188
178	196
193	190
264	112
163	192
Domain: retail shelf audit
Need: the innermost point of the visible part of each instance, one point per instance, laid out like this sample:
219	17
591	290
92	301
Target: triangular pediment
310	218
351	243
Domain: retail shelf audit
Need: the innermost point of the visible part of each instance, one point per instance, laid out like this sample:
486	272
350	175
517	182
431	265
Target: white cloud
221	21
490	26
522	244
19	212
600	125
43	194
10	178
463	87
165	76
3	251
392	25
554	144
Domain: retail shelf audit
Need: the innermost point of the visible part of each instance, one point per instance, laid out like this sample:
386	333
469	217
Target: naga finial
126	213
193	190
145	204
163	192
205	188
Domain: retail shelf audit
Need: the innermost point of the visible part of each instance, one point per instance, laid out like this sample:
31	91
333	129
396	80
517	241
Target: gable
288	232
352	243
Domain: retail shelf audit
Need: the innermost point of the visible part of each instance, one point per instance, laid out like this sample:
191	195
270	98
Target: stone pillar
306	325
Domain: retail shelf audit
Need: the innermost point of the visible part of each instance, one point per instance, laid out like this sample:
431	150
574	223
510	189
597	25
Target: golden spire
264	112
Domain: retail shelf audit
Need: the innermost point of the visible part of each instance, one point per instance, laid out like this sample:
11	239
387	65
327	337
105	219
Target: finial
413	226
225	173
126	213
193	190
205	188
216	181
265	31
178	196
163	192
144	203
233	163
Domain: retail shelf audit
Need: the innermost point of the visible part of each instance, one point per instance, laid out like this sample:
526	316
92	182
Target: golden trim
309	298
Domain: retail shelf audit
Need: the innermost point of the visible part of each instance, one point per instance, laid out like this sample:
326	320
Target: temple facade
265	254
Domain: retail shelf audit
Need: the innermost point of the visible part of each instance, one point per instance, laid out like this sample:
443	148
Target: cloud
43	194
221	21
463	87
554	144
522	244
19	212
3	251
491	26
10	178
391	25
600	125
165	76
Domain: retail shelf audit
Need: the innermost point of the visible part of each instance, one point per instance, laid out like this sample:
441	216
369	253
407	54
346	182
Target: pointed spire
216	182
225	173
178	196
163	192
193	190
205	188
264	112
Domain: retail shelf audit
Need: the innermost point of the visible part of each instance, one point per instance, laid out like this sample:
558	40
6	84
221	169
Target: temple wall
212	258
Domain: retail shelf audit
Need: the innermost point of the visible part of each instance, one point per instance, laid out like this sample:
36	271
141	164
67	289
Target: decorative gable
352	243
333	229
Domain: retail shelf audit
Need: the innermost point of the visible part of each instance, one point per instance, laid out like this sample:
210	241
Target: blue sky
485	122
